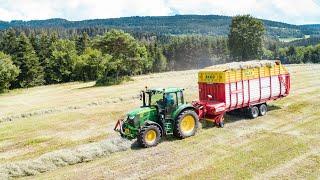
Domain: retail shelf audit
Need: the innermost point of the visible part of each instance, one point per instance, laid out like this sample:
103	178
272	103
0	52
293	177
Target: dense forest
173	25
32	56
31	59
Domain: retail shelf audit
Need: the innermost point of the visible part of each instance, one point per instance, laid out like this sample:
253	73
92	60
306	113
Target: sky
289	11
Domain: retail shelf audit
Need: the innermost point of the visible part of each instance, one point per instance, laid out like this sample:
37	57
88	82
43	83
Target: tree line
29	60
300	54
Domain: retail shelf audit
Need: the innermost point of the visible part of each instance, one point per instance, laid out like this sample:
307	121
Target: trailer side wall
244	87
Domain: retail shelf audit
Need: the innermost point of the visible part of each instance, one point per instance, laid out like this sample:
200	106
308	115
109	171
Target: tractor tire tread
176	130
141	134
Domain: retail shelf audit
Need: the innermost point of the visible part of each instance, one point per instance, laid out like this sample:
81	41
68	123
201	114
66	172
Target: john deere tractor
163	112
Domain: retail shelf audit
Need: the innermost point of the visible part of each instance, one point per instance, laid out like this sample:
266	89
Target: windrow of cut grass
63	157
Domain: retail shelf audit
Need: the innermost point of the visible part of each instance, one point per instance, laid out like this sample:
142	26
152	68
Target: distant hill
175	25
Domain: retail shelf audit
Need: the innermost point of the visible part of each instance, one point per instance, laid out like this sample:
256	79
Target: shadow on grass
238	115
88	87
135	145
234	116
104	85
273	107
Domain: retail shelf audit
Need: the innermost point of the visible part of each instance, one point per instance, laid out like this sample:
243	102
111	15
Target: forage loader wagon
223	88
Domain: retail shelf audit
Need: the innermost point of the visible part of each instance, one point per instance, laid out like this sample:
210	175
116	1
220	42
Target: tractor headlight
131	117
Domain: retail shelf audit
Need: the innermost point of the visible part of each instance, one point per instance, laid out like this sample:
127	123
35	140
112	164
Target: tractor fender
181	109
148	123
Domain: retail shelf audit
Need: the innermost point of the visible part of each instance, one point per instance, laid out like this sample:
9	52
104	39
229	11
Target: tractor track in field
64	157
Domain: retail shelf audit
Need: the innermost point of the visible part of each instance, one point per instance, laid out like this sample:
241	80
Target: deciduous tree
245	37
8	71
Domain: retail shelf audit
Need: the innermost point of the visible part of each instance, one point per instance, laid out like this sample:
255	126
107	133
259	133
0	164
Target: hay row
60	158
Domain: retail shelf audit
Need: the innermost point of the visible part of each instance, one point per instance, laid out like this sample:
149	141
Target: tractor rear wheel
149	136
263	109
253	112
186	124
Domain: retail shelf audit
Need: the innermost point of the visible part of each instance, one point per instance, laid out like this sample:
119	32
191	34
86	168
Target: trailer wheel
186	124
221	124
263	109
149	136
253	112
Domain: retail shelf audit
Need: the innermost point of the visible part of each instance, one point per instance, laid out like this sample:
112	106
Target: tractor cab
163	112
166	101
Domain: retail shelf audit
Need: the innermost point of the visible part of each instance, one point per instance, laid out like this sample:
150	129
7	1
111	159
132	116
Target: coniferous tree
9	42
160	61
24	57
82	43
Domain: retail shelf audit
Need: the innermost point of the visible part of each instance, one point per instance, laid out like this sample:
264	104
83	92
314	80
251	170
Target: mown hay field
68	128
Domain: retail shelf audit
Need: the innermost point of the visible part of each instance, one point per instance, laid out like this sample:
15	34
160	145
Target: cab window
170	99
180	97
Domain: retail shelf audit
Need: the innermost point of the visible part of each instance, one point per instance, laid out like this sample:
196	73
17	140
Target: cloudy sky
290	11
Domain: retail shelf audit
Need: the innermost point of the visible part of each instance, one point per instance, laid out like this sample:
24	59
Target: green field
63	118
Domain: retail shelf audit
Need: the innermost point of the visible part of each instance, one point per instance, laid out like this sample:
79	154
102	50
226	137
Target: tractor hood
142	114
139	111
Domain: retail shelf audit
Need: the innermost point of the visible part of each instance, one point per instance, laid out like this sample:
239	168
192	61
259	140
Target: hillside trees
213	25
245	37
8	71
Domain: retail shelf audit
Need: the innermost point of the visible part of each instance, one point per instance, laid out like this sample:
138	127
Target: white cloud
291	11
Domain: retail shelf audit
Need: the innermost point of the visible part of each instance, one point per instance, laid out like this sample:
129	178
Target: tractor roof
165	90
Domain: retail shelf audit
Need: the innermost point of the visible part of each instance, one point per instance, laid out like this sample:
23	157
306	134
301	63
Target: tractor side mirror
140	96
210	97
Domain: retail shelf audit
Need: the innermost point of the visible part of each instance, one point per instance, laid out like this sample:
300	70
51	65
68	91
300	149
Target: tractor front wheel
149	136
186	124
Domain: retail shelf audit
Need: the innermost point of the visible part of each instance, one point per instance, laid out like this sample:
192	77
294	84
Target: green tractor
163	112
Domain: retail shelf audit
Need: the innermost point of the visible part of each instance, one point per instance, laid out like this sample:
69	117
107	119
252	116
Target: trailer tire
263	109
221	124
149	136
186	124
253	112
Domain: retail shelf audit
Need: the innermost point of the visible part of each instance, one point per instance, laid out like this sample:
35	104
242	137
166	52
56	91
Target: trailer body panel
240	88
